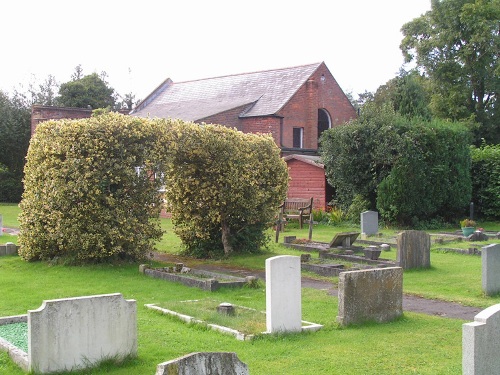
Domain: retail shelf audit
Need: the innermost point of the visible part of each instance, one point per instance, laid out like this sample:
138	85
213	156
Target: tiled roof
309	159
258	93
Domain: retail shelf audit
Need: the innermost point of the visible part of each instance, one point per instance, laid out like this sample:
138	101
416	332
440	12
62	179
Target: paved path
410	303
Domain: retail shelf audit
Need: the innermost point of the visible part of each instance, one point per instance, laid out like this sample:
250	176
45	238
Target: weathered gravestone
370	295
75	333
480	343
9	249
369	223
344	239
207	363
490	259
283	294
414	249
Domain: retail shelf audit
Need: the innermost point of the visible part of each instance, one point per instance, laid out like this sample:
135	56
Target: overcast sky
141	43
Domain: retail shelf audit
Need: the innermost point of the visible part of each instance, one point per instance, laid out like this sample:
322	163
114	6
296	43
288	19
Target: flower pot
467	231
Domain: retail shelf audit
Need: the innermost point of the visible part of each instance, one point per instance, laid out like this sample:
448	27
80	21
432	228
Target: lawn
434	345
414	344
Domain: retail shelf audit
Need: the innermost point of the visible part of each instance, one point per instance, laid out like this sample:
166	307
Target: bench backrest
294	204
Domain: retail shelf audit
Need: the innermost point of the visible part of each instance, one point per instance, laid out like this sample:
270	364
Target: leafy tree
90	192
223	187
15	129
486	180
408	169
456	45
407	93
89	91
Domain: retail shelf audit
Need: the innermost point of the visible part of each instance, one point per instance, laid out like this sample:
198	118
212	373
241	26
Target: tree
15	129
407	93
90	91
409	169
90	193
224	188
456	45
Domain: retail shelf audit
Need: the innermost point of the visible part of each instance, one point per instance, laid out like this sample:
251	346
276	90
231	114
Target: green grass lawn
415	344
433	347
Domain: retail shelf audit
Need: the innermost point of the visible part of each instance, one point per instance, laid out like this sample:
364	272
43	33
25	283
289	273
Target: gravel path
410	303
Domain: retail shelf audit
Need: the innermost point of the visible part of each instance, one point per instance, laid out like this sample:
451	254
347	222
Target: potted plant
468	227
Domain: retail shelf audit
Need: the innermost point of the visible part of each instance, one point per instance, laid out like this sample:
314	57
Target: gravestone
76	333
369	222
283	294
414	249
207	363
480	343
344	239
490	259
370	295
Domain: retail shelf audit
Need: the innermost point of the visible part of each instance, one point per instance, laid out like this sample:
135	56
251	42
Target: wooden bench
297	208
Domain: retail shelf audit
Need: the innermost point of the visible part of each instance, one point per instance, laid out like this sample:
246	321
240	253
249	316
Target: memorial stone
414	249
369	222
283	294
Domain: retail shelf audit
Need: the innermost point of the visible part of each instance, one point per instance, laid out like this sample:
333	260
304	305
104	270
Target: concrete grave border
306	326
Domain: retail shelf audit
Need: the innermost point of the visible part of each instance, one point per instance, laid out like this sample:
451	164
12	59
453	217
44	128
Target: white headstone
369	222
480	343
74	333
490	259
283	294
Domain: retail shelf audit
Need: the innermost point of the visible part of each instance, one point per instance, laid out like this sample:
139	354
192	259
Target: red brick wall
266	125
307	181
43	113
302	109
40	113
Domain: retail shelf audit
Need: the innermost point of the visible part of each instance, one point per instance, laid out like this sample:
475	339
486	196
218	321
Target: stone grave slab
413	249
344	239
480	343
490	264
283	294
369	222
204	363
370	295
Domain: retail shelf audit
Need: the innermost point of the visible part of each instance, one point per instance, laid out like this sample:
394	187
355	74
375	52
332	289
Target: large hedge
224	188
486	180
84	198
410	170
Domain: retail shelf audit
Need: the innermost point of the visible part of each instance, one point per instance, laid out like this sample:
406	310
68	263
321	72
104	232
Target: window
324	122
298	137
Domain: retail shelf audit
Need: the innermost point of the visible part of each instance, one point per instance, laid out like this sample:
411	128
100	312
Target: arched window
324	122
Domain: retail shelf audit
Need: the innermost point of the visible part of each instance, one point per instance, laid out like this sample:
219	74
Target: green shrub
359	204
336	216
431	177
223	188
486	180
407	169
84	200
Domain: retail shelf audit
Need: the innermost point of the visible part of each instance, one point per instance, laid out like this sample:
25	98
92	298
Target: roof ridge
248	73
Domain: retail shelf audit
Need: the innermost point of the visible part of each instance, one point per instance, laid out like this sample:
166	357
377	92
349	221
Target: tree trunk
226	235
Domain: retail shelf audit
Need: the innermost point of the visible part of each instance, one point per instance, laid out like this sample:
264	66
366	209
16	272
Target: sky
141	43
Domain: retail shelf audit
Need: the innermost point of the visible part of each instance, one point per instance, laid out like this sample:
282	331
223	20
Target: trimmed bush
90	189
223	187
486	180
408	169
